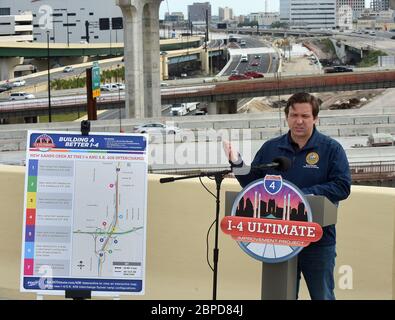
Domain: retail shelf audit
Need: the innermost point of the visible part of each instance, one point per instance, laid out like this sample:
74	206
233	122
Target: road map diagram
108	219
84	225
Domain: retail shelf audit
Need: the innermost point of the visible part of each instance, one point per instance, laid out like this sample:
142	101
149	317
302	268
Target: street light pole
78	79
67	22
120	109
119	101
278	76
54	24
49	80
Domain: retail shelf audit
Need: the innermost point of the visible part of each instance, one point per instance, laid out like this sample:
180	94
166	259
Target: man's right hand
231	154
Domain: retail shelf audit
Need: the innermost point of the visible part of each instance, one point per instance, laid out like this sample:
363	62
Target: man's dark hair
303	97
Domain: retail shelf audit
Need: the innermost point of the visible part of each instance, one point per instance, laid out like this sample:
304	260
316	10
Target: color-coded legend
30	217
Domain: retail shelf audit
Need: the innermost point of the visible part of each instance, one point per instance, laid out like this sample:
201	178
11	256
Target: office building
197	11
73	21
308	14
264	19
380	5
225	14
16	27
357	6
174	17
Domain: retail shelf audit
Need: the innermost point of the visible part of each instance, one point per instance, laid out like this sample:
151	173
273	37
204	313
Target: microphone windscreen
284	163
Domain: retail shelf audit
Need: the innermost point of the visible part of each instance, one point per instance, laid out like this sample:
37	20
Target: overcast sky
238	6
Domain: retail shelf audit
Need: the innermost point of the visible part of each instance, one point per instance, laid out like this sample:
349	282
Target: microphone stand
219	177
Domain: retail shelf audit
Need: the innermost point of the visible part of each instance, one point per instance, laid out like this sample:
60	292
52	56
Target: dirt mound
347	99
256	105
321	48
330	100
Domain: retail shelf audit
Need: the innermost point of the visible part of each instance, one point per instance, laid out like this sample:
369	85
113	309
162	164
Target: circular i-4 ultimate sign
271	220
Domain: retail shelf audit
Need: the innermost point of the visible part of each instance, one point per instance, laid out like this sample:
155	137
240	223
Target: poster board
84	219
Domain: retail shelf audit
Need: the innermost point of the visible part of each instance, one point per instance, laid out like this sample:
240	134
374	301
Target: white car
156	128
18	83
21	96
109	87
68	69
244	58
121	86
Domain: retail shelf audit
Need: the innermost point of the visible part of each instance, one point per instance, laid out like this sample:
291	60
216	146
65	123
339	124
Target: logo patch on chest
312	159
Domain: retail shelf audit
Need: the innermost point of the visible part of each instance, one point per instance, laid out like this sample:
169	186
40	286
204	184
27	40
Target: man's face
301	121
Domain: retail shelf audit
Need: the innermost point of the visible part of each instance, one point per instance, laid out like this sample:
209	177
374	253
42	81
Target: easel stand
219	177
78	294
85	127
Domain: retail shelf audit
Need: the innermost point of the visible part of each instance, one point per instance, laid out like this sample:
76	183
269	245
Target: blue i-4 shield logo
273	184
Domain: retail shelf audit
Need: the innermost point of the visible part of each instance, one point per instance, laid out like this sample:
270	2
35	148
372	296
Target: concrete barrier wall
387	129
340	126
372	120
179	215
336	121
330	131
353	131
267	123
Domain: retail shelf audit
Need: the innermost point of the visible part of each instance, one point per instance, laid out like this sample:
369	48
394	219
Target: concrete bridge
39	50
12	54
279	32
224	95
221	96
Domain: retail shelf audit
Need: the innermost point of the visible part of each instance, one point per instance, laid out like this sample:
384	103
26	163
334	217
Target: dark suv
338	69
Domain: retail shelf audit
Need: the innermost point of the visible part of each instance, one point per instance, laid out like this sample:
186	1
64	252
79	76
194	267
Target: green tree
248	24
279	25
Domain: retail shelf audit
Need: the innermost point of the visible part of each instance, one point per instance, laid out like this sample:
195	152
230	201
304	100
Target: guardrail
372	171
15	107
363	171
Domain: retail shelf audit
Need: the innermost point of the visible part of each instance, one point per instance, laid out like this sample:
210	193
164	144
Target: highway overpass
11	53
278	32
39	50
222	96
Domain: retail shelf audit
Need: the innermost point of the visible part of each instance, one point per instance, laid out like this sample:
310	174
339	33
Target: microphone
166	180
279	163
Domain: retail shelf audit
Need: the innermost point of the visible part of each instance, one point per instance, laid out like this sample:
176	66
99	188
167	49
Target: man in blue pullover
319	167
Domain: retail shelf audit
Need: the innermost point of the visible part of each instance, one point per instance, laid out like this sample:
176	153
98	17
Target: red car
239	77
253	74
